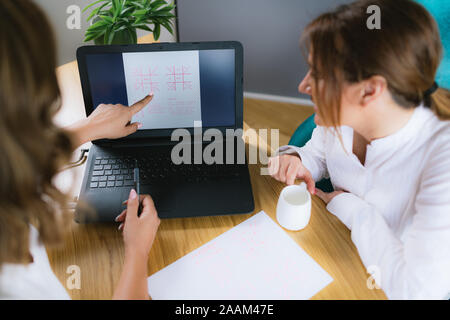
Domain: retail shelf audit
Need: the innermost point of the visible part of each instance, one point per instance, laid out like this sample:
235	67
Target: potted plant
116	21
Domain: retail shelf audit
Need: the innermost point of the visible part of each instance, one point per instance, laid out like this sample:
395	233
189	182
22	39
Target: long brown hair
32	148
406	51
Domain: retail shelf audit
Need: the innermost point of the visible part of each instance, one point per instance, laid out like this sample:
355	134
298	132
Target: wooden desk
98	249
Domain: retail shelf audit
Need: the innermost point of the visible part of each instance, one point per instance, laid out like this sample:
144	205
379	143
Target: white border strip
270	97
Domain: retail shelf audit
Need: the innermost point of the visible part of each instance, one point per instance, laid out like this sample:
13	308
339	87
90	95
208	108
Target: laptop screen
188	86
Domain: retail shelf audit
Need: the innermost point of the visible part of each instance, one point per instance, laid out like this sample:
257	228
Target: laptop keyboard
155	169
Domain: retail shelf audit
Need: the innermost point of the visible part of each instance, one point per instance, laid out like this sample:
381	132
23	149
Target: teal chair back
440	10
300	137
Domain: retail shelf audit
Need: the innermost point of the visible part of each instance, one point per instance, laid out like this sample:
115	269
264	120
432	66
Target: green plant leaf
127	12
167	26
166	8
107	19
157	31
134	36
98	24
119	8
93	13
94	3
121	28
96	11
110	37
158	3
105	13
140	12
94	35
140	20
143	27
133	4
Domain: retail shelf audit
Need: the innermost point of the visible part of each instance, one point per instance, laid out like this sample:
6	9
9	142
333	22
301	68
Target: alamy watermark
232	142
374	20
374	281
74	279
73	21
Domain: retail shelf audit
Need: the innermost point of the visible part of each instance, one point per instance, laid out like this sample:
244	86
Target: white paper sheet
254	260
174	78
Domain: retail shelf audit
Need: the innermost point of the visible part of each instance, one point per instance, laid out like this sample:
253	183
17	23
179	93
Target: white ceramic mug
294	207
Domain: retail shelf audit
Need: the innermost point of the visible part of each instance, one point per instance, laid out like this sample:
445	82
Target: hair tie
430	91
427	94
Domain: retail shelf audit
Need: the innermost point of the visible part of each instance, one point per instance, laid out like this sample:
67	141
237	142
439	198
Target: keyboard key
94	185
120	170
111	183
102	185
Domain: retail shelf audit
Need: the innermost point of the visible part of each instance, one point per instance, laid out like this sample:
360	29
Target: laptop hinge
155	141
139	143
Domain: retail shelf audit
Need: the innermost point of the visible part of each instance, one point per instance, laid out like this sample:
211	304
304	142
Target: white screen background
173	78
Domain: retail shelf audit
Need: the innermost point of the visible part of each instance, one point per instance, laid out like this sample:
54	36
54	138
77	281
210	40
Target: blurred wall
269	31
70	39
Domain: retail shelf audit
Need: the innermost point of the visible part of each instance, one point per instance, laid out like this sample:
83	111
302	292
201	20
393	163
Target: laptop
189	151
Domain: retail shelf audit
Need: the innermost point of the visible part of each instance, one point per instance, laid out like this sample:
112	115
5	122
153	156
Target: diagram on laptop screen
174	78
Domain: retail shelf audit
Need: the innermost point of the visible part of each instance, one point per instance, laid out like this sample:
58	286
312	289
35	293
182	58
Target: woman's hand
287	167
139	231
108	121
327	196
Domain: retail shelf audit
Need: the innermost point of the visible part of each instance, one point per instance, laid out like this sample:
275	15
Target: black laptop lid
199	81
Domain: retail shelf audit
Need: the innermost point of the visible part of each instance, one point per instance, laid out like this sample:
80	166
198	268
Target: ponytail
440	103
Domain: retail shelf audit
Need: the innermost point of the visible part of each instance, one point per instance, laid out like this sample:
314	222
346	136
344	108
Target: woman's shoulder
438	132
33	281
436	143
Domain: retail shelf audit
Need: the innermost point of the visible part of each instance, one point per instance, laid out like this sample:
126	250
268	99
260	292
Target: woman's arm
107	122
133	280
113	122
417	266
139	233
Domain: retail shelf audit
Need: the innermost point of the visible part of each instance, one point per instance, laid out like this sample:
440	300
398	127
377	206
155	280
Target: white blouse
35	281
398	203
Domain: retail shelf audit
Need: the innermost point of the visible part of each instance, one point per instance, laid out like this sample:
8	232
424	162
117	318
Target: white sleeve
419	266
312	154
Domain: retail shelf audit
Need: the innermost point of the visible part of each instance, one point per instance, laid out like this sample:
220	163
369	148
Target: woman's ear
372	89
